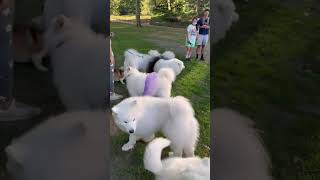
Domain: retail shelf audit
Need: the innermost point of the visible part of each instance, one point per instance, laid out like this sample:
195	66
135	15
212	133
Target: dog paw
127	147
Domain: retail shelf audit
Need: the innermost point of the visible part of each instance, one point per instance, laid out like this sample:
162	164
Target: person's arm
112	61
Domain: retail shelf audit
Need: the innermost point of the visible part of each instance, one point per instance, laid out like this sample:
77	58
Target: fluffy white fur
174	168
238	150
78	58
135	81
175	64
142	61
71	146
224	15
142	117
89	12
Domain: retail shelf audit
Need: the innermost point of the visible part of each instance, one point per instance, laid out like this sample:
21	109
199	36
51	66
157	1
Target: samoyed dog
90	12
144	62
141	117
151	84
224	15
175	64
174	168
238	149
70	146
79	63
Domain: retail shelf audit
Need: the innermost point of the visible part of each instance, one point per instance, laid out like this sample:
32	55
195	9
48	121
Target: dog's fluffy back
70	146
238	151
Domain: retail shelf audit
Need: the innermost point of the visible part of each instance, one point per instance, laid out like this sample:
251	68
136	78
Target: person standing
191	38
203	37
10	110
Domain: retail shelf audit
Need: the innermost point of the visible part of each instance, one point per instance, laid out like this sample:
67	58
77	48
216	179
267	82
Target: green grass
192	83
268	68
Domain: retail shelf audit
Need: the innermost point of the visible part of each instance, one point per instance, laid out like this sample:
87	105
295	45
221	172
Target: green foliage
177	11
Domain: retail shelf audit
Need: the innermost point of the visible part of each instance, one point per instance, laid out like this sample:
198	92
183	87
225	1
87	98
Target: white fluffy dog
175	64
79	63
153	84
71	146
174	168
142	117
90	12
238	150
224	15
144	62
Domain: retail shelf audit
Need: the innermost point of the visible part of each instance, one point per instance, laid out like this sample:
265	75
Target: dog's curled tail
181	106
152	155
167	55
154	53
167	73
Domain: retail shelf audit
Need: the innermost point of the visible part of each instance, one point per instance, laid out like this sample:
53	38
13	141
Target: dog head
118	74
126	114
128	71
176	65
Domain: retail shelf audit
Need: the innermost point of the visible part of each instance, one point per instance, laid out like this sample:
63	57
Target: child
113	95
191	38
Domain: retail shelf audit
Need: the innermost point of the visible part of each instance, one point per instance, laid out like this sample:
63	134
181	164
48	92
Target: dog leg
148	138
37	61
130	144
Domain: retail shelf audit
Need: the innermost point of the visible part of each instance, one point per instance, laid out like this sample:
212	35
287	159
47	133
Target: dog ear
114	110
60	22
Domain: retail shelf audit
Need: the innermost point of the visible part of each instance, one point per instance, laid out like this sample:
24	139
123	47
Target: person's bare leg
198	51
202	52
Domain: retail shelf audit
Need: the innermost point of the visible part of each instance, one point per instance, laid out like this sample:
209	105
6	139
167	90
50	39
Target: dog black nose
131	131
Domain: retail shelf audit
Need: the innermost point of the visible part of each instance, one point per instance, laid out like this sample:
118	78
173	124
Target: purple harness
150	85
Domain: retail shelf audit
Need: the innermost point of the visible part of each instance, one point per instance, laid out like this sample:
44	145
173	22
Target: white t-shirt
192	33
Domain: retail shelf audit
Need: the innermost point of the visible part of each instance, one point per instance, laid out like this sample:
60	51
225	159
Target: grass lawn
193	83
268	68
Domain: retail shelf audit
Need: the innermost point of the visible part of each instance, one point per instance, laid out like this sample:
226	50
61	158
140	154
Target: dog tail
152	155
154	53
167	55
167	73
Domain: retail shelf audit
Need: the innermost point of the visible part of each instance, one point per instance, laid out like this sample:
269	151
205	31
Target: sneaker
115	96
202	58
19	111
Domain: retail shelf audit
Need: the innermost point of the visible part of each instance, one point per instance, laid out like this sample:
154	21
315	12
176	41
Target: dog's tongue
150	85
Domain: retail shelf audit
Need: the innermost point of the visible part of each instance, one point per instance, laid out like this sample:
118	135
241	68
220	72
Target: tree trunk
169	5
199	5
138	11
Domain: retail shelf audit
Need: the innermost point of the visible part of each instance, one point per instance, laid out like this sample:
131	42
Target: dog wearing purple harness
149	84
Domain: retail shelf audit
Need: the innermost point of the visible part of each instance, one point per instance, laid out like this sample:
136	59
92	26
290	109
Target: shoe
202	58
197	56
115	96
19	111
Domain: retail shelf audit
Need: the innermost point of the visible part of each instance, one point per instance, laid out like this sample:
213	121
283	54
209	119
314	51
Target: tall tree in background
138	12
169	5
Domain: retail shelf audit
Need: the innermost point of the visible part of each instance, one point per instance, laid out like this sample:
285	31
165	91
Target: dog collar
60	44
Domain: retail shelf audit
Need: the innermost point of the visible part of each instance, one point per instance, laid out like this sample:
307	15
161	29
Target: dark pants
6	58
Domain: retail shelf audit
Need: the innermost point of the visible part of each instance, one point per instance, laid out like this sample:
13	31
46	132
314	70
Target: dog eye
133	120
125	122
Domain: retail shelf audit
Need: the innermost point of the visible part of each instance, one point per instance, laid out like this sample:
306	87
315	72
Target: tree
138	12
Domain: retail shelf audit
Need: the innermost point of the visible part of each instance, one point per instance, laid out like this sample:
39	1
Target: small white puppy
144	62
175	64
174	168
152	84
142	117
